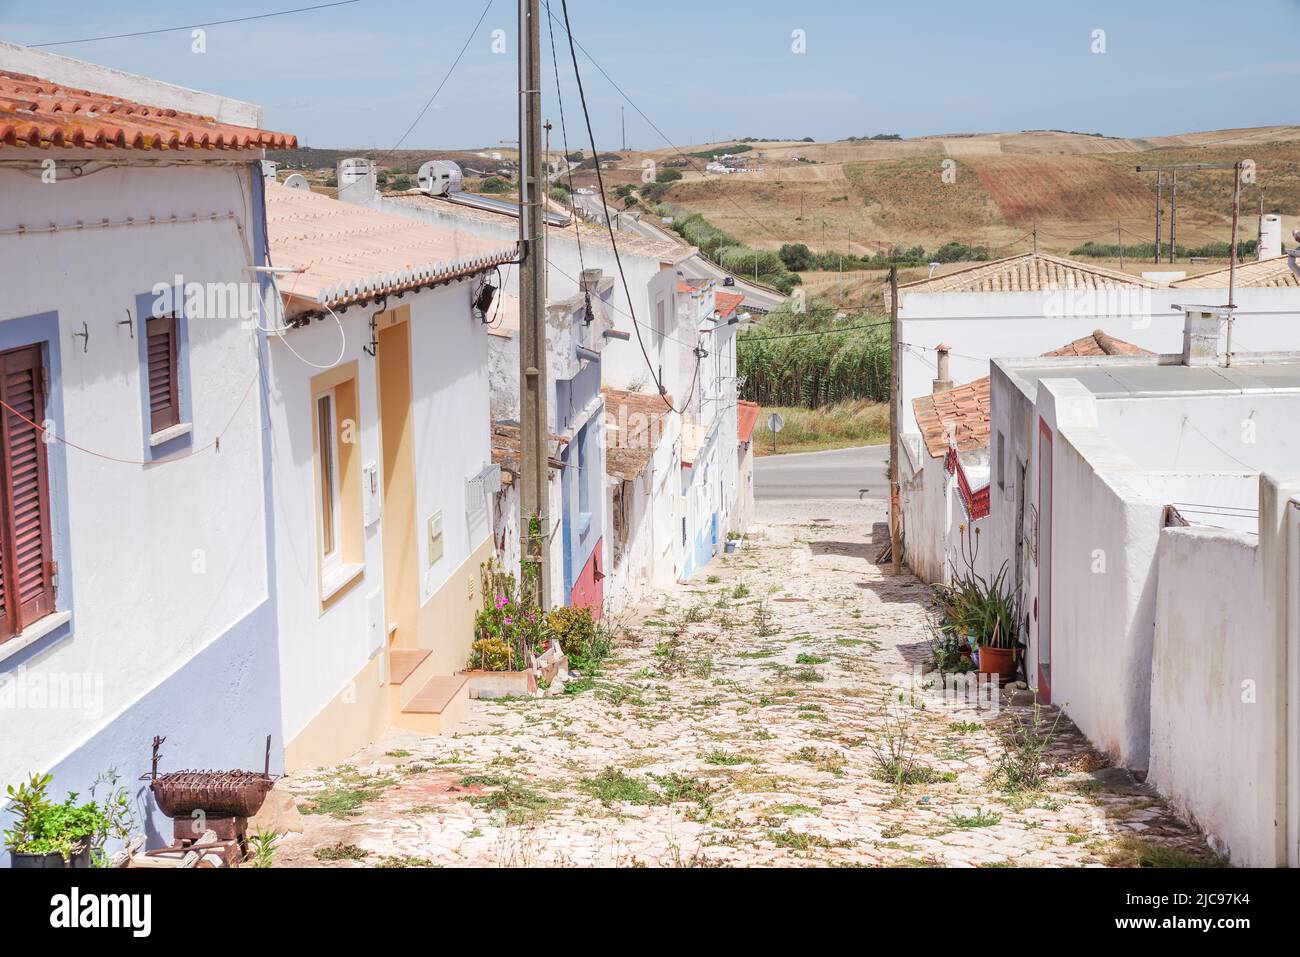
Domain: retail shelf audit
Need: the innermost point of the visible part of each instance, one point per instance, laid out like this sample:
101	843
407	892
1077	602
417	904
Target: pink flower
509	620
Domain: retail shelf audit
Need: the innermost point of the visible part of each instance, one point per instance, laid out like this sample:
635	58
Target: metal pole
1119	238
534	522
1232	261
895	352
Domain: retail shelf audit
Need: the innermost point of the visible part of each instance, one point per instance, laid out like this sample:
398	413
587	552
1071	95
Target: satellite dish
439	178
297	181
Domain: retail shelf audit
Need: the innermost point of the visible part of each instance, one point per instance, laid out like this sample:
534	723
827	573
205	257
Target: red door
1044	602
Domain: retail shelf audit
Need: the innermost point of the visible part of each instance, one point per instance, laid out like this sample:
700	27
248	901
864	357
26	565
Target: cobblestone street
748	718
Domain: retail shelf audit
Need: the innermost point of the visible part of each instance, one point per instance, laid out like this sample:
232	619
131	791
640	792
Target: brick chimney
944	381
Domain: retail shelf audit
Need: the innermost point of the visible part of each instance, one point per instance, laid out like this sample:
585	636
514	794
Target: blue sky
357	75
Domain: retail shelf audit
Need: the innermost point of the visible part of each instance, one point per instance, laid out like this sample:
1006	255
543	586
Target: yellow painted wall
354	718
447	618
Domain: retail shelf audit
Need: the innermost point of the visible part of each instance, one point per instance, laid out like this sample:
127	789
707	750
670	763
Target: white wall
321	652
978	327
1224	689
169	556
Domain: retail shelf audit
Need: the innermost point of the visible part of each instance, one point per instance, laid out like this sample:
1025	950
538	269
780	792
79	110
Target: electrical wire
689	160
600	181
192	26
447	76
564	134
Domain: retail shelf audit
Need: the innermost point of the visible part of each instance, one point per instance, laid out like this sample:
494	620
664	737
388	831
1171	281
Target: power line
689	160
600	182
564	135
823	332
454	63
192	26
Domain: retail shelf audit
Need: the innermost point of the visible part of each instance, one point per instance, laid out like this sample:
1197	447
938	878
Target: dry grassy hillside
1073	187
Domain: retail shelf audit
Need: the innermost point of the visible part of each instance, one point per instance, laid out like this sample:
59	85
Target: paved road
835	475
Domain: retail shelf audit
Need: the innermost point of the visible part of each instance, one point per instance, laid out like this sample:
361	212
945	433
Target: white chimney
1270	236
1201	335
357	181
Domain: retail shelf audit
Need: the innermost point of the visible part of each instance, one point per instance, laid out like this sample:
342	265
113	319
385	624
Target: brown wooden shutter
26	557
164	401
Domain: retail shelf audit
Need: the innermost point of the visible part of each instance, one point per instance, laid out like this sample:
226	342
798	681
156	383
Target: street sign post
776	424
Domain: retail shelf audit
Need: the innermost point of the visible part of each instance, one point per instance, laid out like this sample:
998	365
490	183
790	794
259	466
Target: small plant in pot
68	834
983	611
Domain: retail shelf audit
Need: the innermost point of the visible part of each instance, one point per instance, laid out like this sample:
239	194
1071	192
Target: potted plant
733	541
982	611
67	834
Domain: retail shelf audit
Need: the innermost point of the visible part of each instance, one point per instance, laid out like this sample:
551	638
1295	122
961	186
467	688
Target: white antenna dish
439	178
297	181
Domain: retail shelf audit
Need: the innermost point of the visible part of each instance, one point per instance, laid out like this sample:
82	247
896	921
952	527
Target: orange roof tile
43	114
633	419
727	303
1098	344
963	410
1264	273
351	253
1029	272
506	444
746	418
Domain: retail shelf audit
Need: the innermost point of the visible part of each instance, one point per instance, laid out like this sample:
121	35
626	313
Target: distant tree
666	175
401	182
796	256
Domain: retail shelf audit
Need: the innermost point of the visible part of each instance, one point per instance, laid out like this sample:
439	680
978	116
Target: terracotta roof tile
632	430
351	253
963	410
1098	344
1264	273
43	114
746	417
726	303
1029	272
506	450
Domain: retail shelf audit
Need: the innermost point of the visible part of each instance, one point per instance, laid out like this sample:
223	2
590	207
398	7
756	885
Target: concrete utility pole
1173	224
534	451
1173	219
895	351
1232	261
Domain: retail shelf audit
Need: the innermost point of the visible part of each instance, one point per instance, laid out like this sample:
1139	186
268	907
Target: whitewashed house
578	328
944	470
642	459
1027	304
381	468
136	572
1172	649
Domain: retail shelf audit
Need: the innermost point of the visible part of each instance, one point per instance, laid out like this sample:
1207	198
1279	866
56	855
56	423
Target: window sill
166	435
339	579
34	633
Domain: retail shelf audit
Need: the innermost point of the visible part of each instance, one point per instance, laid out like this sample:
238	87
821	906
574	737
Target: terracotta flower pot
998	661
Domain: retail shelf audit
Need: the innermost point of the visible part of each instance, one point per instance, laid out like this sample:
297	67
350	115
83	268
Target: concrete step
408	670
437	707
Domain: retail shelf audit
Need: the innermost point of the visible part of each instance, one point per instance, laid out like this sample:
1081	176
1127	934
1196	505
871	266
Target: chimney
944	382
590	280
1200	336
1270	236
357	181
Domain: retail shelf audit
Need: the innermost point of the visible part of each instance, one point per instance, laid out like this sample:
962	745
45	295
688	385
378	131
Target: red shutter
26	559
164	402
